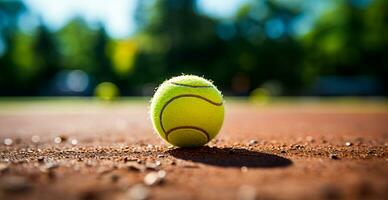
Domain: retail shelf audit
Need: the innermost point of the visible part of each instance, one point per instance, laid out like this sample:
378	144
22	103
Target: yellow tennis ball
187	111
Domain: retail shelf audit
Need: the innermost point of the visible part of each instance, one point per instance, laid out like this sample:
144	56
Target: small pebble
372	151
51	165
63	138
231	151
57	140
103	171
74	141
160	156
153	166
134	166
8	141
60	139
246	192
310	139
162	174
252	142
35	139
151	178
154	178
90	163
138	192
334	157
282	151
40	159
348	144
126	159
244	169
4	167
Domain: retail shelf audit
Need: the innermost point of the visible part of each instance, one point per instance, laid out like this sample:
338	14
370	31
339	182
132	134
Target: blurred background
247	47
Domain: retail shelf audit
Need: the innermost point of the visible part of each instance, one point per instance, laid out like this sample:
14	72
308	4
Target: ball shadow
230	157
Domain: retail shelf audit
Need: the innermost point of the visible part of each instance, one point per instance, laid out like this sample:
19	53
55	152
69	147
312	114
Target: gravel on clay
109	151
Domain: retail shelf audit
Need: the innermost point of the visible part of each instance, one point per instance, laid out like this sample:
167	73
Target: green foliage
76	45
247	51
349	41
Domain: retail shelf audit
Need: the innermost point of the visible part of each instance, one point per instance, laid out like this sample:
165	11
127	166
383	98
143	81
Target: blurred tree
175	40
88	49
46	57
76	42
22	58
104	68
32	62
12	42
263	48
350	40
255	48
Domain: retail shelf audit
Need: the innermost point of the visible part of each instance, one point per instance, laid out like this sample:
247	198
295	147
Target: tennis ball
106	91
187	111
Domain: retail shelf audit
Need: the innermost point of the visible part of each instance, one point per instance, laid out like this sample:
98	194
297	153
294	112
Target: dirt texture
110	151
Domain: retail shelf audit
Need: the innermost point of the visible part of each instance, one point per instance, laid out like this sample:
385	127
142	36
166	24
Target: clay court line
192	127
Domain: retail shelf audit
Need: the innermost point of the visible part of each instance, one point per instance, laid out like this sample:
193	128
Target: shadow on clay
230	157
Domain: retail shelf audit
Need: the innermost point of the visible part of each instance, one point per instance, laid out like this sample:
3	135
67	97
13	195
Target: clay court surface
83	149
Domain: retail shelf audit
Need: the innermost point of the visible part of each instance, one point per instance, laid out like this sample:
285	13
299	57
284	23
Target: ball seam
166	133
189	127
192	86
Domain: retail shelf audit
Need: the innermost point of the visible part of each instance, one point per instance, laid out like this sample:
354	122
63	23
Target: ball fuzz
187	111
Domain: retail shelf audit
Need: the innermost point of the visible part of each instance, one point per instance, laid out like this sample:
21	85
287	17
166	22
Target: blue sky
117	15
